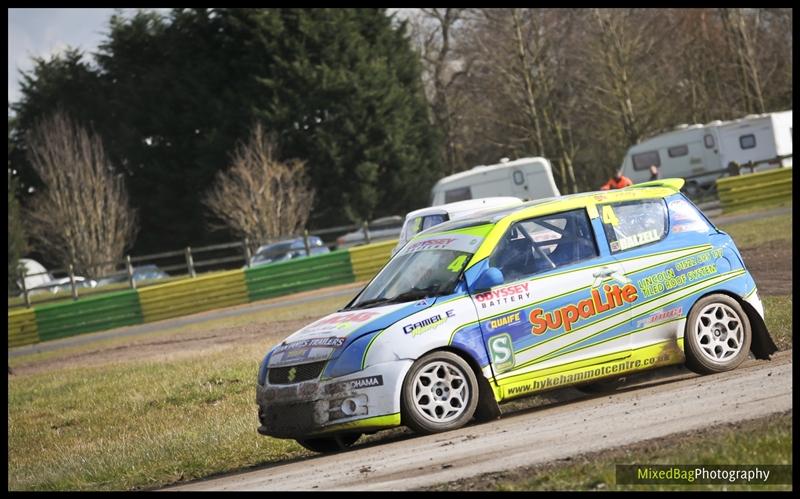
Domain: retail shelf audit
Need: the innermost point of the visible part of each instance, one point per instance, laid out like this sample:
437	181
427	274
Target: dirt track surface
653	409
771	266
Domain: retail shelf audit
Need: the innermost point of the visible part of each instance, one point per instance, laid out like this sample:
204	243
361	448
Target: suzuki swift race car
548	294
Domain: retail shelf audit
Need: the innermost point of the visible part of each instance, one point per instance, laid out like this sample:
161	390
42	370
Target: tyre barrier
192	295
762	188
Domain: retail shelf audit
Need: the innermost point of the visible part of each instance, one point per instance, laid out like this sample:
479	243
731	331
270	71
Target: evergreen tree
172	96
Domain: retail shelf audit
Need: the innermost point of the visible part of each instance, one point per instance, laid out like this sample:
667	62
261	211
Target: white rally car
475	312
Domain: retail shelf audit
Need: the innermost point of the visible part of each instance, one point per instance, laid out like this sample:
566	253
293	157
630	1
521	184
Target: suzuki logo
292	374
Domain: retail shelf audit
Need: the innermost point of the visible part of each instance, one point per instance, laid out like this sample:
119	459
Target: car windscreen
427	266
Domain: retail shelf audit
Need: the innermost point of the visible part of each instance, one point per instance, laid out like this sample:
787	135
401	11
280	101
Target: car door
561	301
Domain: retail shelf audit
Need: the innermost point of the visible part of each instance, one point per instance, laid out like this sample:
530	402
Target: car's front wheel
440	393
330	444
717	336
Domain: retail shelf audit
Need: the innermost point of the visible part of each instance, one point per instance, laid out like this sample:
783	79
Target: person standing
618	181
655	173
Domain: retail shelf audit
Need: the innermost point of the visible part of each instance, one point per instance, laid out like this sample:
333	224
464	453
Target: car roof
466	205
645	190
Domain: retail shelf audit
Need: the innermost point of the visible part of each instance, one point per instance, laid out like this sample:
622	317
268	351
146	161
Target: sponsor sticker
425	325
506	320
504	295
356	384
502	352
660	316
598	302
330	342
455	242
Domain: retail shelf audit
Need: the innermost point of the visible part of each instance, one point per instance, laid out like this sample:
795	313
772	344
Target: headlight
351	359
262	370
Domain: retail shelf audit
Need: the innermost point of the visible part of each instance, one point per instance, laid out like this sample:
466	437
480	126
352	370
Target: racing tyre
717	336
440	393
334	443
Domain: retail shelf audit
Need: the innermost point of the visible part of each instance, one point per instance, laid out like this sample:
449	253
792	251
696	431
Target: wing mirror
488	279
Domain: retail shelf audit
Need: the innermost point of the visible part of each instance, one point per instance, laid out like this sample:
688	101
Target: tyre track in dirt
685	402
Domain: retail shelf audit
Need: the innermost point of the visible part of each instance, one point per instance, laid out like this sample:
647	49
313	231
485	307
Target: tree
81	215
172	95
260	197
17	237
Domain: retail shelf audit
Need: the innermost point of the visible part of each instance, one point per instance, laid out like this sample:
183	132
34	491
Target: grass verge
760	231
137	425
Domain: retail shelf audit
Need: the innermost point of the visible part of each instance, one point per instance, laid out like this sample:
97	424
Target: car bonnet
331	334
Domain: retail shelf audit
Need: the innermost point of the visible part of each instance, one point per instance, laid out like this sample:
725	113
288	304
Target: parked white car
425	218
38	279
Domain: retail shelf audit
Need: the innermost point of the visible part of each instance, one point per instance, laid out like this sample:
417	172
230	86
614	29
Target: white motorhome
692	150
525	178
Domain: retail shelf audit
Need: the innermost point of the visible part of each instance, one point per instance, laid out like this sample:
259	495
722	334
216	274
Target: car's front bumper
362	401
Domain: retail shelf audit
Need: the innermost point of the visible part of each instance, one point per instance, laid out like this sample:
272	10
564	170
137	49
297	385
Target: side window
678	151
544	243
633	223
747	141
708	140
460	194
645	160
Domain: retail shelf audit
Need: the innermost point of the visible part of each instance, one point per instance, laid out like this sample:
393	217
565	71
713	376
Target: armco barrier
368	260
191	295
772	186
22	328
187	296
58	320
312	272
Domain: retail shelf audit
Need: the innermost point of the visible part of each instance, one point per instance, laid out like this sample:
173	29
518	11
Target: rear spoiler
670	183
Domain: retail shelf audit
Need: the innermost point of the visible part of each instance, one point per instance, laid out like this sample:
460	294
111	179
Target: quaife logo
598	302
502	352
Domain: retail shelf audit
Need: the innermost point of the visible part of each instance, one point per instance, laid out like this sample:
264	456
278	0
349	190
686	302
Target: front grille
295	374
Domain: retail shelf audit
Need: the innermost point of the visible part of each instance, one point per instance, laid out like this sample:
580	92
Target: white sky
45	32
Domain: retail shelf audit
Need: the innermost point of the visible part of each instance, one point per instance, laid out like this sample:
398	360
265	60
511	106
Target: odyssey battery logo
610	298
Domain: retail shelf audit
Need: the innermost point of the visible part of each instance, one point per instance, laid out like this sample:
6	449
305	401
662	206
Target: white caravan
692	150
525	178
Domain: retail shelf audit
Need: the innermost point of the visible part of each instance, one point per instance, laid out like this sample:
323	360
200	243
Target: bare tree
444	65
82	216
259	197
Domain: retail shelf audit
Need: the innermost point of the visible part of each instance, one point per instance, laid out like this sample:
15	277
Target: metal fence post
72	282
247	255
366	231
24	287
131	282
305	242
189	261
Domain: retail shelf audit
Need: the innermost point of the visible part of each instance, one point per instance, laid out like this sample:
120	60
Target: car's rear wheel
333	443
717	336
440	393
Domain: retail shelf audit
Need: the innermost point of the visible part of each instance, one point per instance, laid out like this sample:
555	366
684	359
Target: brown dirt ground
649	448
771	267
770	264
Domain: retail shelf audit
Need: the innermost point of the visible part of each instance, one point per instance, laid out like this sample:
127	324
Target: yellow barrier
742	191
368	260
188	296
22	328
